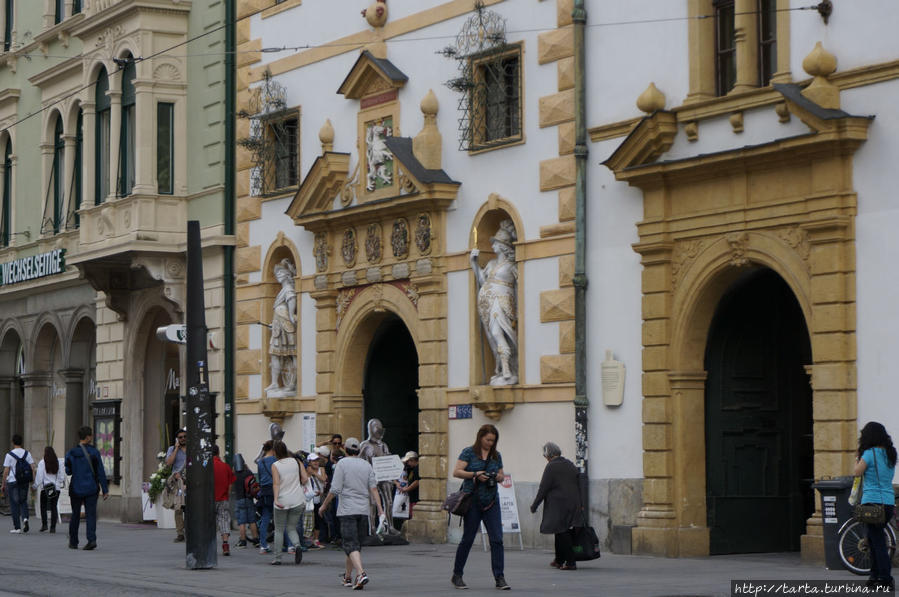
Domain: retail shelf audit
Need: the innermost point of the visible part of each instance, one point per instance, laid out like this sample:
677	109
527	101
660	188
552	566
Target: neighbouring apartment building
112	120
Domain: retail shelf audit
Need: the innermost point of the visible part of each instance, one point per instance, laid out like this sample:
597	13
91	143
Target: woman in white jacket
49	480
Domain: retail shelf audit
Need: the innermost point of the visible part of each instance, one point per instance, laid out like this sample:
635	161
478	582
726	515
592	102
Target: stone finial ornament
820	64
651	100
376	13
428	144
326	136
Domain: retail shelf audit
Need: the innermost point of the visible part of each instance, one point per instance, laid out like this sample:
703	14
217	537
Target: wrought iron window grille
489	83
273	139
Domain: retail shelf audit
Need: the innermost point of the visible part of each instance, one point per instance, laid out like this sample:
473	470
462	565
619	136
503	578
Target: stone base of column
671	542
811	544
428	524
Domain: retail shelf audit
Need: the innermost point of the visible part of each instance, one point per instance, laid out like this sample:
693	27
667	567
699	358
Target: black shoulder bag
871	513
91	463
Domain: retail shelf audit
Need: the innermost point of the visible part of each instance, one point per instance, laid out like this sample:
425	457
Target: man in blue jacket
88	479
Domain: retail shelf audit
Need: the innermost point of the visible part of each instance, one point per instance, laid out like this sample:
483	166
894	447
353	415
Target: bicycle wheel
855	552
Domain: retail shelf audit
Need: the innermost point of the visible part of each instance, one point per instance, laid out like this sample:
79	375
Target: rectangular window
726	49
767	40
60	12
286	161
76	6
7	29
495	104
6	213
165	147
126	152
102	167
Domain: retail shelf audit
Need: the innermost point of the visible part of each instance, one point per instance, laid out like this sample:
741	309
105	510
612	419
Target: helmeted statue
282	346
497	303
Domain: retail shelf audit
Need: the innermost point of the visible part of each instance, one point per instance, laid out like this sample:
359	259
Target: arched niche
282	248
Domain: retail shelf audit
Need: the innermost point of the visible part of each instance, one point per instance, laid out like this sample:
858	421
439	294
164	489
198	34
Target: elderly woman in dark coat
562	510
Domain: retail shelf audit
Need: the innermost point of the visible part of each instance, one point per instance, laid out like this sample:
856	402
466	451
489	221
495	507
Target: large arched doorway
161	391
758	407
12	417
390	384
79	379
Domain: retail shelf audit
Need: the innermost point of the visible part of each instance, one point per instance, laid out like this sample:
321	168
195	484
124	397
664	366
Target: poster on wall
106	436
309	432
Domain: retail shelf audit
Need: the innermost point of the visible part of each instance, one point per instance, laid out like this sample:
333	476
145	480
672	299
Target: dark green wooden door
391	381
758	419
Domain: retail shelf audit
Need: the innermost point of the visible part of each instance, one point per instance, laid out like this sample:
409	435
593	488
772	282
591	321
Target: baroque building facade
112	140
737	246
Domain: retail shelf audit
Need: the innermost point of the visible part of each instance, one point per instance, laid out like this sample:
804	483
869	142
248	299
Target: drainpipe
230	149
579	16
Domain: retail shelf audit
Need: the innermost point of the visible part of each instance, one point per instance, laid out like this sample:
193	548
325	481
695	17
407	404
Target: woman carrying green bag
877	462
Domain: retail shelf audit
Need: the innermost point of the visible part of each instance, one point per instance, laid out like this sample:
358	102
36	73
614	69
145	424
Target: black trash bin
835	511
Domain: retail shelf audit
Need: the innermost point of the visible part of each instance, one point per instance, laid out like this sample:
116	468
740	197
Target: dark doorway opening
759	452
390	384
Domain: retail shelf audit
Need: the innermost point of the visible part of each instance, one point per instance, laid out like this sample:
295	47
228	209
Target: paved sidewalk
141	560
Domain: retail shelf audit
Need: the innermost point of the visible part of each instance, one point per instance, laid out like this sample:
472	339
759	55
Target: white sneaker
14	531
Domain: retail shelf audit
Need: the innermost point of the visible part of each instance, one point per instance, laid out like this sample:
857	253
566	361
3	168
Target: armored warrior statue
282	347
497	303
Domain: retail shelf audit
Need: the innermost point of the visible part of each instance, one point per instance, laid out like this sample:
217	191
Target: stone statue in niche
282	347
497	303
373	446
380	160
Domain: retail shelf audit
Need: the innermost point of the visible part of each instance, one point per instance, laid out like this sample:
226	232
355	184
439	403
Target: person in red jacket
224	477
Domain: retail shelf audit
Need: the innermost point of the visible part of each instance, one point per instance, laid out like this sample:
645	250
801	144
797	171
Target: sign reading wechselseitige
33	267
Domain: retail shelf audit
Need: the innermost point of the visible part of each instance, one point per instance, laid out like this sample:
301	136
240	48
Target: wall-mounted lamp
825	9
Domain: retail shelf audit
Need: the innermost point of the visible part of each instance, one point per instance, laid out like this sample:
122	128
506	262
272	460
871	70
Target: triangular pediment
371	75
326	177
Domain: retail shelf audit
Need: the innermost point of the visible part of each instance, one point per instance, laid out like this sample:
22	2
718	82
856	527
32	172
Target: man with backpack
18	474
246	488
83	462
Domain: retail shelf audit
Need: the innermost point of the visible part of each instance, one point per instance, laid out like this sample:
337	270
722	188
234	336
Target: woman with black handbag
49	480
562	512
877	462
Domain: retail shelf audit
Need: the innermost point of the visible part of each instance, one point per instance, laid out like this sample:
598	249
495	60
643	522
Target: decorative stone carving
373	243
411	291
321	251
379	158
797	239
348	247
376	13
167	72
399	238
684	254
348	192
651	100
344	300
497	303
282	346
407	185
737	242
423	233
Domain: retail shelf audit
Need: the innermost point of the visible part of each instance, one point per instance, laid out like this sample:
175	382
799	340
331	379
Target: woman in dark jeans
49	480
877	462
266	497
481	467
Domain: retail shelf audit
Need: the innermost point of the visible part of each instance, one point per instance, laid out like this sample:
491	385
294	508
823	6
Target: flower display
158	479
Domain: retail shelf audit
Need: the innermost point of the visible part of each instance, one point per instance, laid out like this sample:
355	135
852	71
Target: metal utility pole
200	502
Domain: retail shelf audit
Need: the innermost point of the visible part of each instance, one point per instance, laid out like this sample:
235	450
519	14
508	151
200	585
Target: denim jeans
18	502
268	505
90	511
471	524
880	562
49	505
286	525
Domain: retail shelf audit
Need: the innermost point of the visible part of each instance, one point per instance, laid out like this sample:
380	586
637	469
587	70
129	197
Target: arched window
6	211
58	174
75	192
126	140
101	169
7	29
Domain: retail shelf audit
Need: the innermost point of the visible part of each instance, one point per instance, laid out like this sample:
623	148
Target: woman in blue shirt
481	468
877	462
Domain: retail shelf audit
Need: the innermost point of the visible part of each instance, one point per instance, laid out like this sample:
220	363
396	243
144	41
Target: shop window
126	135
101	157
165	147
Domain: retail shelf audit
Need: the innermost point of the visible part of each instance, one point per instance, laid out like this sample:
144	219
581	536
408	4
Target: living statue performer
373	446
497	303
282	347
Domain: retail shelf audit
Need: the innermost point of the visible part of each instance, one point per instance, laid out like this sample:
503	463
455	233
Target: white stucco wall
457	332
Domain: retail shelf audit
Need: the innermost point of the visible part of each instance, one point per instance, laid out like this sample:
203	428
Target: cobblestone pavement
141	560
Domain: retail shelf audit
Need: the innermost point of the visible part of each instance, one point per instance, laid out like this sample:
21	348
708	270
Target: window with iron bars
494	103
285	139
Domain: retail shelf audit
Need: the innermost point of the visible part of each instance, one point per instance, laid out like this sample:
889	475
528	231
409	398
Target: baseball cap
312	457
409	456
351	443
323	451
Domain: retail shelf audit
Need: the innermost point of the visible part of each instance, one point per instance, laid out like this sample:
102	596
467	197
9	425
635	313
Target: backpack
250	486
23	472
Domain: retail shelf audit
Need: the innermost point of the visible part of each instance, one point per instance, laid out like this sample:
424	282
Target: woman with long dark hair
877	462
49	480
481	468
